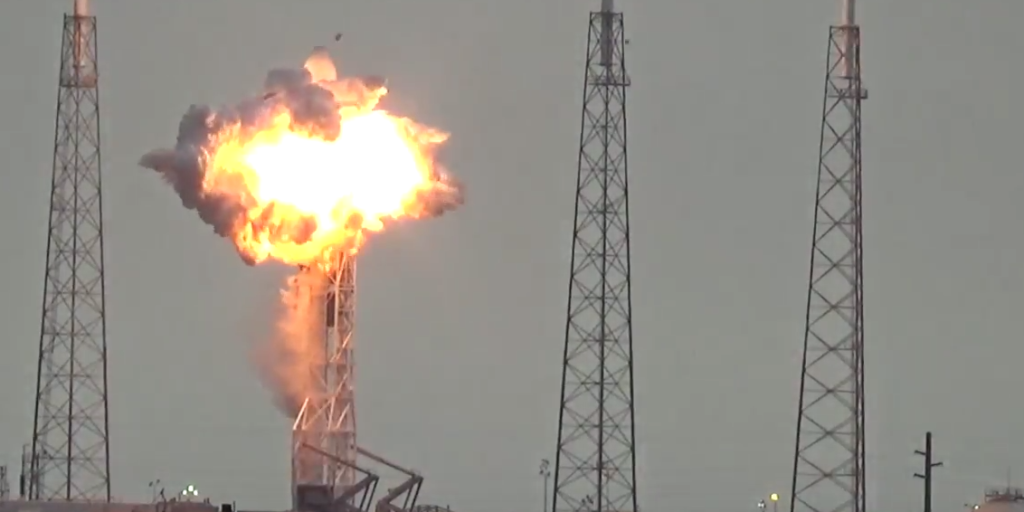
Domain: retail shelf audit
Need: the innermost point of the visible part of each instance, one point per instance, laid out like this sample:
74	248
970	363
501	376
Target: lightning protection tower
829	459
327	419
595	465
70	441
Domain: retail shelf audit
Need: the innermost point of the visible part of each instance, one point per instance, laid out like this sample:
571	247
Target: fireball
308	168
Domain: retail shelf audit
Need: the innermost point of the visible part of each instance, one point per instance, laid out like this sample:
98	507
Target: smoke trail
287	360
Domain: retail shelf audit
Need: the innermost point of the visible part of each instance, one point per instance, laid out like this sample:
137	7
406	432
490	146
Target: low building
1002	499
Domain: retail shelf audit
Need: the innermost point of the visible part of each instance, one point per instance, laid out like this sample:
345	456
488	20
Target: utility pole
545	474
928	465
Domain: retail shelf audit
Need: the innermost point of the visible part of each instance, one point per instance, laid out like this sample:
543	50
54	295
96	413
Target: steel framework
595	464
327	419
829	459
406	493
323	498
70	441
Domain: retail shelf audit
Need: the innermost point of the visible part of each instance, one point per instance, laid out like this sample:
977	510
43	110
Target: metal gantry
70	455
829	459
595	464
327	419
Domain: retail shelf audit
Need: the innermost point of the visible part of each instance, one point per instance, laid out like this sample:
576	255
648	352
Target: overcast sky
461	319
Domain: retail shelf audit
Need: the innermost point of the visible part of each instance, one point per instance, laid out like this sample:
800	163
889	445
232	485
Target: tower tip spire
81	7
849	13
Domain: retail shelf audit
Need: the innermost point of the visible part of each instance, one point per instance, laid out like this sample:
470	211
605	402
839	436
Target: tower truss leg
70	442
595	466
327	419
829	460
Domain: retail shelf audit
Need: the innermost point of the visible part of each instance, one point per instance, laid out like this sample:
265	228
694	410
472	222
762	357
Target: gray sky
461	319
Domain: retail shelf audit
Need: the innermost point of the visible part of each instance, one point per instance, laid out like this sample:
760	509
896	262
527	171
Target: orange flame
305	195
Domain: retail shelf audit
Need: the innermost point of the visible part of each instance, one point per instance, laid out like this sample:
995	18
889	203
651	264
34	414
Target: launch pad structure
326	476
326	422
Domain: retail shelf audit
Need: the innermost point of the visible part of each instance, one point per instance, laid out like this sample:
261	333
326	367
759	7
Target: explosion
300	174
307	168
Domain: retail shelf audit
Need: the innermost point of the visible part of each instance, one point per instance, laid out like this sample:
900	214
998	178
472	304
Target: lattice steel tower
829	460
595	467
70	441
327	419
